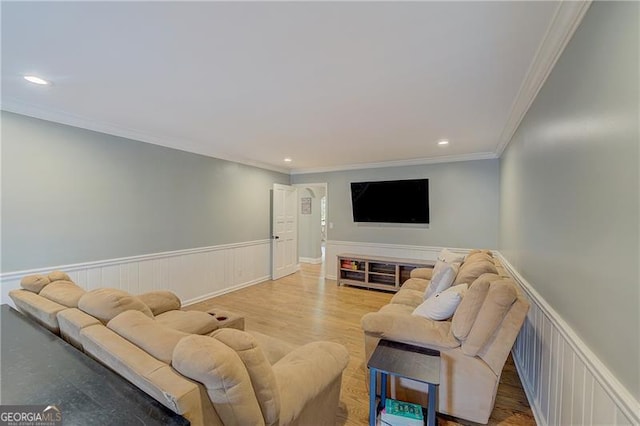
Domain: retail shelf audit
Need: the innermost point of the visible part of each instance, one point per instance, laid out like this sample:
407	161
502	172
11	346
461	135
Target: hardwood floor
304	307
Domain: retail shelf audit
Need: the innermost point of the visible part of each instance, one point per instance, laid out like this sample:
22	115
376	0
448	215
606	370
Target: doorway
312	222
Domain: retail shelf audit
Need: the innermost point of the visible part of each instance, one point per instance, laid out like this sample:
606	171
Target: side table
407	361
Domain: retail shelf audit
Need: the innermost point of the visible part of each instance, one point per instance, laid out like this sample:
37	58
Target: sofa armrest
306	372
411	329
274	349
38	308
424	273
157	379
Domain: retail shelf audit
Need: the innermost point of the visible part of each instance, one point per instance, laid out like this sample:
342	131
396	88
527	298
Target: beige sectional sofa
210	375
474	343
48	298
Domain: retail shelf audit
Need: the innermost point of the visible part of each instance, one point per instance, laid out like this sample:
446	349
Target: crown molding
565	21
398	163
62	117
15	106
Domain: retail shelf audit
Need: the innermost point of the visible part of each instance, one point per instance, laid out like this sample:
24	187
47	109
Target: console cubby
381	273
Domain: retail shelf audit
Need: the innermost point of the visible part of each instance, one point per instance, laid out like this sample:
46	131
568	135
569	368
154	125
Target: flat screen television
394	201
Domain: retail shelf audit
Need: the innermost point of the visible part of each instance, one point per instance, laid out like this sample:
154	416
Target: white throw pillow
437	268
449	257
442	278
443	305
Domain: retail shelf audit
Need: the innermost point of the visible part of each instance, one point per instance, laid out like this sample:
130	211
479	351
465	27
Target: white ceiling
332	85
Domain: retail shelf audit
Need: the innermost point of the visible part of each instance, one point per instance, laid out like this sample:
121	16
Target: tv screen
396	201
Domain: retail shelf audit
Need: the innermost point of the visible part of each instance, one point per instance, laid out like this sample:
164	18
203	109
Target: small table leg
383	388
372	396
431	410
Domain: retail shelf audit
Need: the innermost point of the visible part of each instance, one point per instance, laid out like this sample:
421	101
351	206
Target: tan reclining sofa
54	301
210	375
474	343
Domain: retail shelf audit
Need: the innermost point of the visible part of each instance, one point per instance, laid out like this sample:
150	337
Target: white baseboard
312	260
565	382
225	291
193	274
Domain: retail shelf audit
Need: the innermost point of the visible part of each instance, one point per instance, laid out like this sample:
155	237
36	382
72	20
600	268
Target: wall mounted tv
395	201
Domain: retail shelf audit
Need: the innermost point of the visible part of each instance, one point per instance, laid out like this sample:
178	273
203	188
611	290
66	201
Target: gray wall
463	201
569	189
71	195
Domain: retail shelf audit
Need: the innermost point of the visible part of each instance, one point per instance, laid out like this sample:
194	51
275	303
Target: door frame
276	241
326	194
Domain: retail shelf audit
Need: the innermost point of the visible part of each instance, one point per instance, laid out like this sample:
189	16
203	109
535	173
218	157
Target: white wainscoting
334	248
565	382
193	274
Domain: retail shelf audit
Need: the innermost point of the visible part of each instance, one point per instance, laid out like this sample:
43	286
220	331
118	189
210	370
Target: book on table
400	413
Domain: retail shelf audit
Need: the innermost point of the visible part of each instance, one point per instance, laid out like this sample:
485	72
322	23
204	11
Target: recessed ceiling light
443	142
288	160
36	80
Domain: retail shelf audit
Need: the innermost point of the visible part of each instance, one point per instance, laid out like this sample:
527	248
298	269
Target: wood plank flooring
304	307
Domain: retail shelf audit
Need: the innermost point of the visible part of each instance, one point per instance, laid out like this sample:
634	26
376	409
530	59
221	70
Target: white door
284	238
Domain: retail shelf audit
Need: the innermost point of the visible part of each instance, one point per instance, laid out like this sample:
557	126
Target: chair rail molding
565	382
193	274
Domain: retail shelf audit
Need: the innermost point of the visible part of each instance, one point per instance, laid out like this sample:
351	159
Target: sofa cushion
161	301
408	297
496	349
220	370
469	272
475	257
156	339
415	283
34	283
502	271
441	306
500	297
404	327
469	307
192	322
474	251
442	279
274	349
106	303
65	293
397	308
424	273
59	276
259	369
